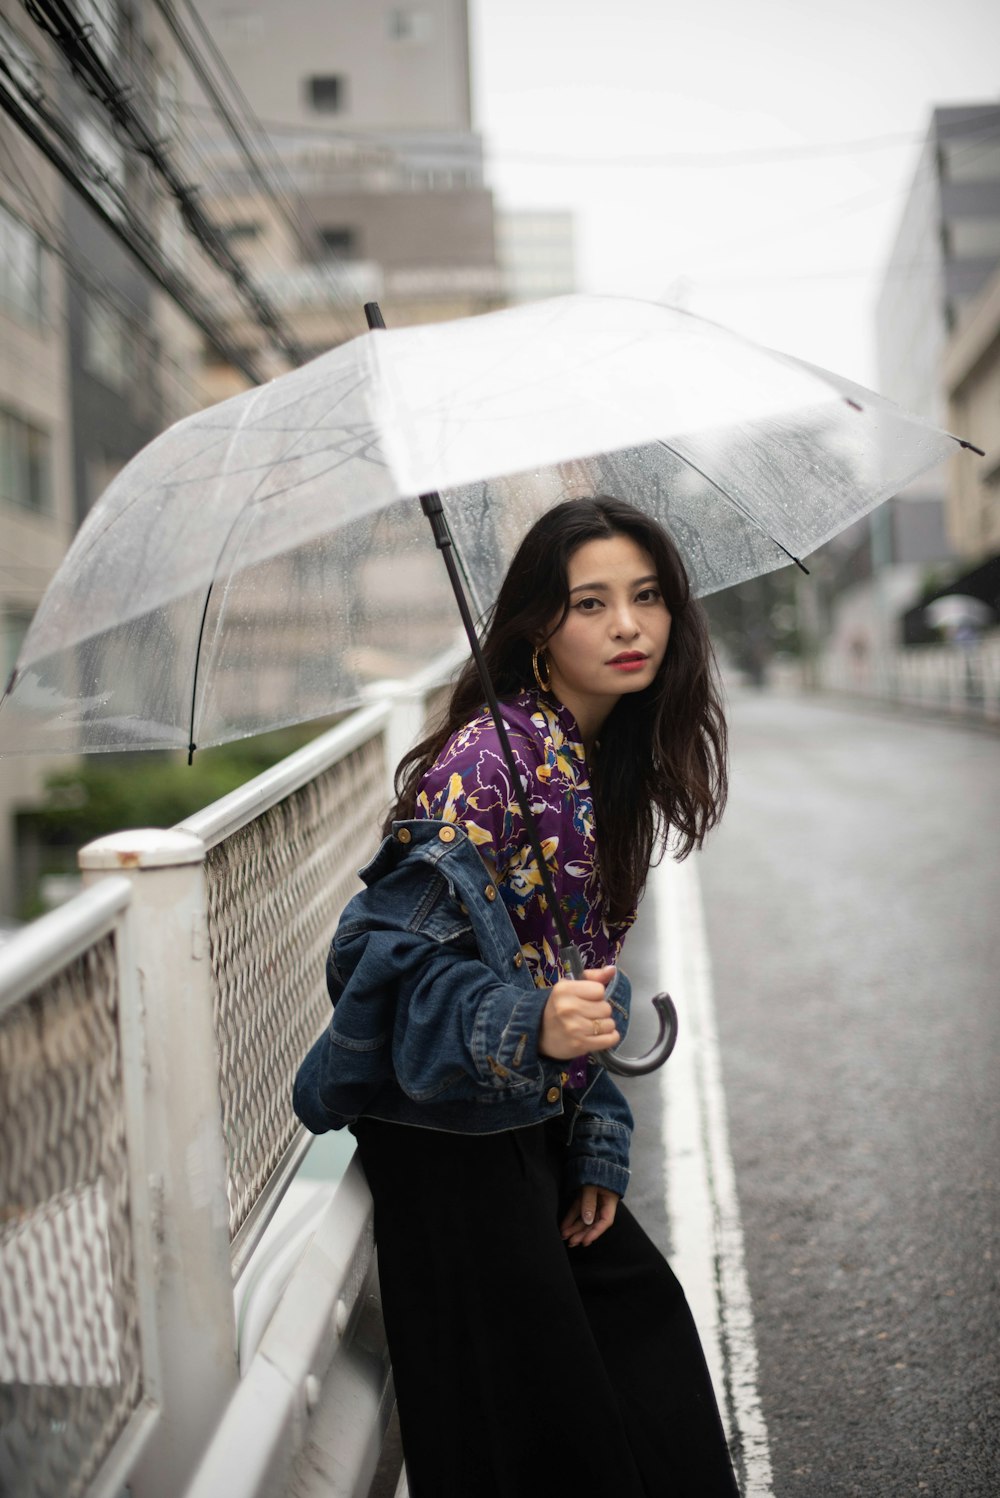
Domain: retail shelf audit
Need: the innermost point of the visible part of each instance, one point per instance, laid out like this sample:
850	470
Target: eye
588	605
649	595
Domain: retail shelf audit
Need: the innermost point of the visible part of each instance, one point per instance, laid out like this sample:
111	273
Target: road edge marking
706	1231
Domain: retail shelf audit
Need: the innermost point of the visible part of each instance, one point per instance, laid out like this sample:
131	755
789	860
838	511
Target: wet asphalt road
852	898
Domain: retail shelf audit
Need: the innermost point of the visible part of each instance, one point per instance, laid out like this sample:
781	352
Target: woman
537	1335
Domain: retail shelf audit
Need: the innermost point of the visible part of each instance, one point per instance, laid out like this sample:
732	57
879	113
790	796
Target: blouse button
518	959
404	834
447	834
490	892
552	1096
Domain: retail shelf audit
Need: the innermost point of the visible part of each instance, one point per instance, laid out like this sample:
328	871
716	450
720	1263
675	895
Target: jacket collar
431	842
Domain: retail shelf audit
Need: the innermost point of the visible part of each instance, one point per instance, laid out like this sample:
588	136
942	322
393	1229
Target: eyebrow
603	587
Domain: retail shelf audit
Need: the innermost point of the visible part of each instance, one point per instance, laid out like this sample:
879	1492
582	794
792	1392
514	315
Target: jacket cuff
595	1170
506	1043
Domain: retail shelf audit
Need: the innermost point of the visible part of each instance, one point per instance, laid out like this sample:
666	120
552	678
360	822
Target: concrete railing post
404	728
194	1370
407	700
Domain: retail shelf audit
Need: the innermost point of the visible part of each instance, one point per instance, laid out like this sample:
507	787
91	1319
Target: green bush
115	792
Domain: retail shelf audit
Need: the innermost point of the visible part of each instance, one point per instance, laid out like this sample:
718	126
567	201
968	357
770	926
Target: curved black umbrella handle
638	1066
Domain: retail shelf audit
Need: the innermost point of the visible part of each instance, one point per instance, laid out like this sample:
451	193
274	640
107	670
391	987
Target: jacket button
518	959
553	1095
404	835
447	834
490	892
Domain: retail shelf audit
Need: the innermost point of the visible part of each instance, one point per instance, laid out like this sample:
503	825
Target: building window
974	238
338	244
107	160
108	346
22	283
242	231
102	18
406	23
14	624
100	470
24	464
974	159
167	101
173	236
326	94
21	66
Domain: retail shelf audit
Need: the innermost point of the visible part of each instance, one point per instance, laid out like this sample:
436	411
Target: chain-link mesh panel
70	1365
275	890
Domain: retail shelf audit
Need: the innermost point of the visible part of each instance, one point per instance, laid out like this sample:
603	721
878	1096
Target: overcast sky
582	102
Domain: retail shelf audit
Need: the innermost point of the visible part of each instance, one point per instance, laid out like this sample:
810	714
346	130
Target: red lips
625	657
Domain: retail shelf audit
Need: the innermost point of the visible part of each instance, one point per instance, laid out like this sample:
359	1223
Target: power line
258	173
980	139
58	20
80	270
742	156
193	155
93	184
294	215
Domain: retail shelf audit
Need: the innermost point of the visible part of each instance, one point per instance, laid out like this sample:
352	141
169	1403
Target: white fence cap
143	848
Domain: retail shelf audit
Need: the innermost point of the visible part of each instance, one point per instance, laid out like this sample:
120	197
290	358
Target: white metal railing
78	1365
149	1034
276	882
963	680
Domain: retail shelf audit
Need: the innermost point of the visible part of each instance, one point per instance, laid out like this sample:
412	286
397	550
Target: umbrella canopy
264	561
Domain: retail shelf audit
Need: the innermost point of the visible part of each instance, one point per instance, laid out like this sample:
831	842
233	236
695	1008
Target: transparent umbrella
264	561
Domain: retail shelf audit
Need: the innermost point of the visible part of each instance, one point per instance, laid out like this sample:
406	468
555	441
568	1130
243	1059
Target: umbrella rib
201	633
732	500
208	591
252	499
299	437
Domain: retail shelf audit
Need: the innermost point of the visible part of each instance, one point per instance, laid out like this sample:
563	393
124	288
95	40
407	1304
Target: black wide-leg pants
522	1367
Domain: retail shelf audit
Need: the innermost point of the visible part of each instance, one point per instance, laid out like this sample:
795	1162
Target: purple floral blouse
470	784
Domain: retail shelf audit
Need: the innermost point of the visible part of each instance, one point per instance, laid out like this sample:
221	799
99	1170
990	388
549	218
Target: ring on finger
597	1027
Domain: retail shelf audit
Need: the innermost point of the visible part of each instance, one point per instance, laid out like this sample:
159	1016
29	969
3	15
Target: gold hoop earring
543	685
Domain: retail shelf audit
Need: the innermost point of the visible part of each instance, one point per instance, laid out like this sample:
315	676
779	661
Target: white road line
702	1206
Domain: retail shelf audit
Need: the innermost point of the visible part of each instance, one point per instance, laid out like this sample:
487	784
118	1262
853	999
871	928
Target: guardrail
962	680
149	1034
78	1359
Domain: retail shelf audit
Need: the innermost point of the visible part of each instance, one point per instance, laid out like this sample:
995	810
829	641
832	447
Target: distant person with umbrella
539	1340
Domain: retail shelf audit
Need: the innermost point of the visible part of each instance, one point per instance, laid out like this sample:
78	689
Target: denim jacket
436	1016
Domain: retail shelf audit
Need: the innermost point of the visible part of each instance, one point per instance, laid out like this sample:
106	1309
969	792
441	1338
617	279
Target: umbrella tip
971	446
191	749
853	404
373	313
10	683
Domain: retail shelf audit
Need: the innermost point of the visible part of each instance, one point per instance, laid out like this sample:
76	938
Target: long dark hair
661	768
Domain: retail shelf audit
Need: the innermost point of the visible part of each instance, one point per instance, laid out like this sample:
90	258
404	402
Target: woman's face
614	636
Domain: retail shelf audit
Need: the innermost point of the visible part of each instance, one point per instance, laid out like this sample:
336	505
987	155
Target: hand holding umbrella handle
638	1066
659	1051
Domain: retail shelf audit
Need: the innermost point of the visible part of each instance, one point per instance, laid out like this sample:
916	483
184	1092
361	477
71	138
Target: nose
624	625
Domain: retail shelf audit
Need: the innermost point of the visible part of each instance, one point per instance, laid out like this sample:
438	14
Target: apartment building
368	109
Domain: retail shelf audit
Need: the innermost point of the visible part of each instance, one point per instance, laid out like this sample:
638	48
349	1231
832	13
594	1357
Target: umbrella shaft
434	510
